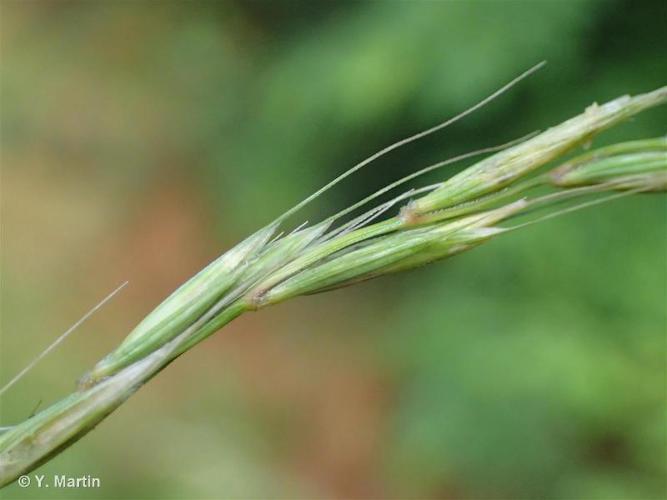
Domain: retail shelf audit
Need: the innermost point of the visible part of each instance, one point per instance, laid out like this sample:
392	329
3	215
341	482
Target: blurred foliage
139	139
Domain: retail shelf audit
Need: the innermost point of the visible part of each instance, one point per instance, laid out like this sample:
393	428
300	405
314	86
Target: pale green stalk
457	215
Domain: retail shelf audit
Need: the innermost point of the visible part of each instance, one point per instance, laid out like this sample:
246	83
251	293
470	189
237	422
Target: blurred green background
141	139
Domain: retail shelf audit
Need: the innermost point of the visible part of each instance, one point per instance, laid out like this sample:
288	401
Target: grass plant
520	184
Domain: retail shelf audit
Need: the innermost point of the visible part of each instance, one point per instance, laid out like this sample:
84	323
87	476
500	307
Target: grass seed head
260	272
384	254
503	168
629	165
183	306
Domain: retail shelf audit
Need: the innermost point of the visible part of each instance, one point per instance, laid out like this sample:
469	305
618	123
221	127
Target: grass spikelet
183	306
505	167
629	165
